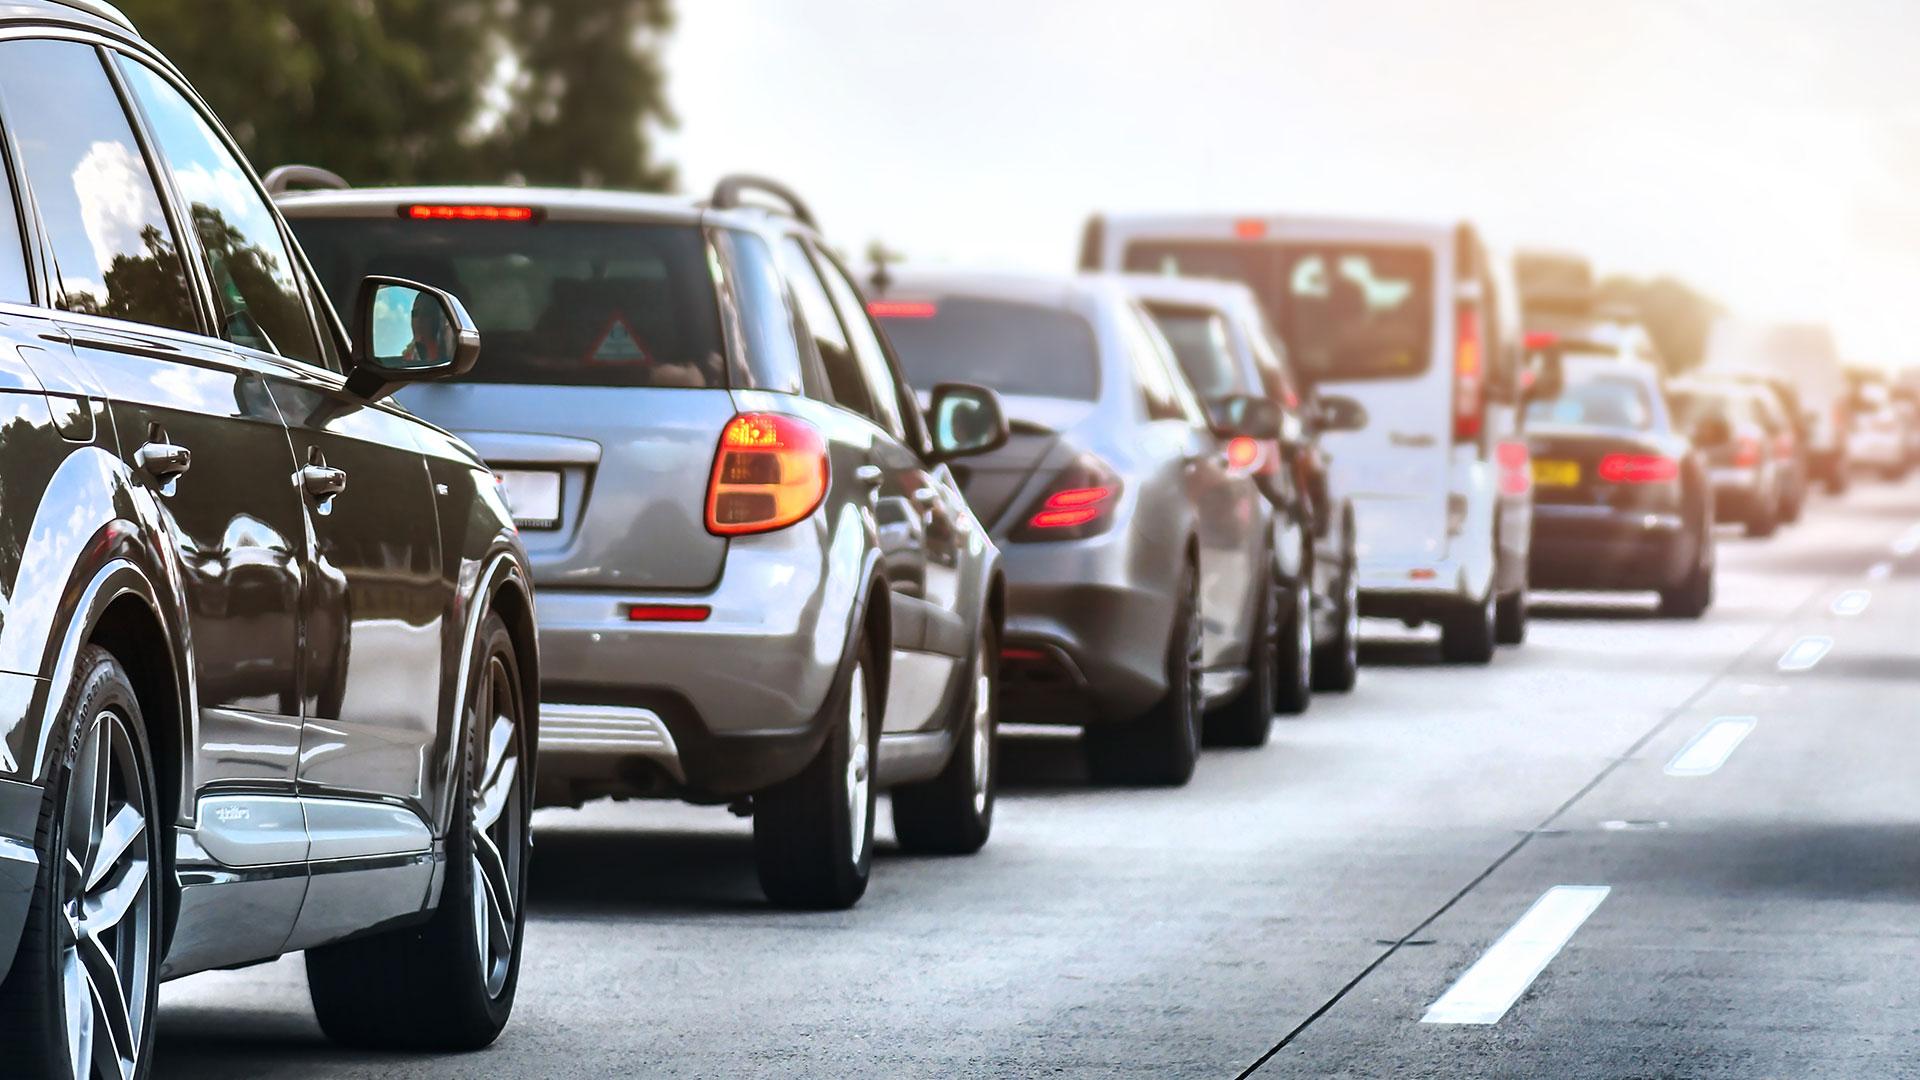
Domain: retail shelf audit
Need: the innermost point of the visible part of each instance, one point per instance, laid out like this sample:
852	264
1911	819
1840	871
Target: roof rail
726	195
100	9
287	177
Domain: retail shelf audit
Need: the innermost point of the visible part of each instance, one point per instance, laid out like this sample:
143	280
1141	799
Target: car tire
1247	718
1837	480
448	984
1467	634
1765	520
1510	618
1691	598
1161	748
813	834
103	924
952	814
1336	664
1790	506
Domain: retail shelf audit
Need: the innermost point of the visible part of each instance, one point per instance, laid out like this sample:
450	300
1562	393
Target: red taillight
1243	453
902	309
668	612
1468	374
769	472
470	213
1250	229
1069	507
1536	340
1638	468
1515	466
1746	451
1079	504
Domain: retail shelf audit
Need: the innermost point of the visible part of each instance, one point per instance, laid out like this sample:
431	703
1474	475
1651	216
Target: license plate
533	495
1556	473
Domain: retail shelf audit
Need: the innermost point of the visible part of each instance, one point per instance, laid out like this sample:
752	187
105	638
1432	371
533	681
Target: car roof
1222	295
81	12
1281	227
1040	289
557	204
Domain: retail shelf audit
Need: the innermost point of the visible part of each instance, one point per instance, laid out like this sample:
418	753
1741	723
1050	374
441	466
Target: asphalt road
1304	906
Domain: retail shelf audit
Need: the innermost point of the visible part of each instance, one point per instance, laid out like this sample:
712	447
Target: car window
844	381
558	303
115	252
1203	345
1593	397
1269	359
255	286
1153	366
1012	347
867	350
14	284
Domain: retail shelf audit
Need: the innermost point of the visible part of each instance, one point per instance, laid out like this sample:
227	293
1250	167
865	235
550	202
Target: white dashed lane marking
1852	602
1805	653
1495	981
1709	750
1879	570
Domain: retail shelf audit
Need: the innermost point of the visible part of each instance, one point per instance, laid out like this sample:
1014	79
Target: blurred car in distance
1137	550
1621	499
1729	422
1879	437
269	661
1227	350
1783	416
757	577
1419	325
1804	355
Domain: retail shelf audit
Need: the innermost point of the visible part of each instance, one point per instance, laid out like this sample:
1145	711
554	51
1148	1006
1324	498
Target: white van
1419	324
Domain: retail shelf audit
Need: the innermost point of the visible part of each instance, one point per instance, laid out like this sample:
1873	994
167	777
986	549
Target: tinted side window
867	350
13	257
836	353
115	252
763	322
254	283
1152	366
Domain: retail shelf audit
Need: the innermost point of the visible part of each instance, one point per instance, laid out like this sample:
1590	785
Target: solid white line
1852	602
1879	570
1495	981
1805	653
1710	749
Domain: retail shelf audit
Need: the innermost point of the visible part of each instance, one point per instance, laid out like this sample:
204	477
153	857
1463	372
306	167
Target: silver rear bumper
566	730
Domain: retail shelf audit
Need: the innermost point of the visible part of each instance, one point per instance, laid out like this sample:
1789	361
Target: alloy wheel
859	767
1303	631
105	884
498	829
982	737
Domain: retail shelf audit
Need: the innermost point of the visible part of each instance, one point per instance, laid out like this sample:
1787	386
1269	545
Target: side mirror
1712	431
1244	414
1341	414
406	332
965	420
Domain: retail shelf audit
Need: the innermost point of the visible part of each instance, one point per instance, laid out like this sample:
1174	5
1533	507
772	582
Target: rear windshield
1594	397
1346	311
557	302
1013	348
1203	346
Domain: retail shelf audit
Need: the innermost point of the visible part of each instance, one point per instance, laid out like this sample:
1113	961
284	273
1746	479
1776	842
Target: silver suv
758	582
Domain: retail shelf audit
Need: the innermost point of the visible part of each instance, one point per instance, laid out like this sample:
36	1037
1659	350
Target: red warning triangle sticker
617	344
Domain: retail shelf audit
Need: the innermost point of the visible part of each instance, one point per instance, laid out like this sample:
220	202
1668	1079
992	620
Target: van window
561	303
1011	347
115	251
1346	311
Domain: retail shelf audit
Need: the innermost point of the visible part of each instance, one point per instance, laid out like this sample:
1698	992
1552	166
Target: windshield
557	303
1013	348
1595	397
1202	344
1346	311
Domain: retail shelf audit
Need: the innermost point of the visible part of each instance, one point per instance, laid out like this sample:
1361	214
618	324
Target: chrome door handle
323	482
870	475
163	460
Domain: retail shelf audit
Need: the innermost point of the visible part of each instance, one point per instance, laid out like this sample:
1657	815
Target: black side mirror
1244	414
1712	431
406	332
965	420
1341	414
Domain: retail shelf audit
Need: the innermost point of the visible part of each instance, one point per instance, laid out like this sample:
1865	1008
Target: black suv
267	665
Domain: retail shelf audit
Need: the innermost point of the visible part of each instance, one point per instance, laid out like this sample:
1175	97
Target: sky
1768	152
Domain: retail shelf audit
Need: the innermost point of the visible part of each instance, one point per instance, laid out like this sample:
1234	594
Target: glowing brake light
1638	468
1250	229
1746	452
1073	506
902	309
428	212
1243	453
769	472
1468	376
1536	340
1515	467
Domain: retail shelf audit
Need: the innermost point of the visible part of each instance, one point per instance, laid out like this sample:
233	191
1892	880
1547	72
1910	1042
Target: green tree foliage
430	91
1677	315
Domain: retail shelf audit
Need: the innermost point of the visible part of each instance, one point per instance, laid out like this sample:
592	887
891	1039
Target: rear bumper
1738	494
19	864
710	710
1880	450
1097	613
1599	547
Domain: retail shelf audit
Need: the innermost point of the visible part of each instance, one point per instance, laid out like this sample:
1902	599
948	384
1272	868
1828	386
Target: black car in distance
267	663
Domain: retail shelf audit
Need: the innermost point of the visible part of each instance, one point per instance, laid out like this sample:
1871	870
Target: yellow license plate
1556	473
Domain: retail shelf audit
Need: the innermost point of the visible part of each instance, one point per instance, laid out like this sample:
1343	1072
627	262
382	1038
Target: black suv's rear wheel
79	999
449	983
1467	633
1510	618
813	834
1162	747
952	814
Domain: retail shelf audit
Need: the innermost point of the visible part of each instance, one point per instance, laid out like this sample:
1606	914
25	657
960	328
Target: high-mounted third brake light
428	212
1250	229
1638	468
902	309
1536	340
769	472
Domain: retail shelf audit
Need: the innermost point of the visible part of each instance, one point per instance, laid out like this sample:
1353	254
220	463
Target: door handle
323	482
163	460
870	475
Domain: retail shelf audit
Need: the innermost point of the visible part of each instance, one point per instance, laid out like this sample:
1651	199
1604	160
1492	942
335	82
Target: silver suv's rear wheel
952	814
79	999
